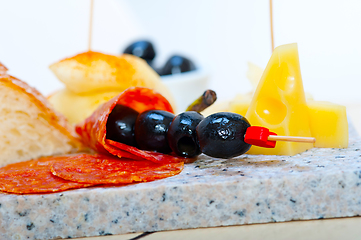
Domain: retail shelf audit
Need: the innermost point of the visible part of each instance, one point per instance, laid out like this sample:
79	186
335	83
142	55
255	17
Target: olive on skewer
221	135
120	125
182	135
151	128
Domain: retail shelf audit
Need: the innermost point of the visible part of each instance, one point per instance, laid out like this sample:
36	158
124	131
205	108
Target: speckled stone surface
319	183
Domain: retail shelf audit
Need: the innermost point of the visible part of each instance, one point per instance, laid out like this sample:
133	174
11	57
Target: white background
219	35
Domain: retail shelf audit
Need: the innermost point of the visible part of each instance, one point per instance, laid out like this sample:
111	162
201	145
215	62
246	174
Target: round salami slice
34	176
126	151
103	169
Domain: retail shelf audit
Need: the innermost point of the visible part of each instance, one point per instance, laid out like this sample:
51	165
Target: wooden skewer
291	139
90	25
262	137
271	24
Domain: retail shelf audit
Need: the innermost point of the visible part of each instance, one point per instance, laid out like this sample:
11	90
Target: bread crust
54	118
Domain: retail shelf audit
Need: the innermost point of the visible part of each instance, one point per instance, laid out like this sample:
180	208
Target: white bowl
186	87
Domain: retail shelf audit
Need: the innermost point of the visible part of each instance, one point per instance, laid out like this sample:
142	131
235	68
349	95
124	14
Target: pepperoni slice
103	169
34	176
93	129
137	154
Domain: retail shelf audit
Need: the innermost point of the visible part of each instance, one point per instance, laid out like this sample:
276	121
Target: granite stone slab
319	183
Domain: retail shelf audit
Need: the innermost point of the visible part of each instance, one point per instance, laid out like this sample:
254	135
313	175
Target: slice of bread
29	127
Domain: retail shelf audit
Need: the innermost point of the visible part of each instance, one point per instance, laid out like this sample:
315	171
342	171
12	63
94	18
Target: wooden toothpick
90	25
291	139
262	137
271	24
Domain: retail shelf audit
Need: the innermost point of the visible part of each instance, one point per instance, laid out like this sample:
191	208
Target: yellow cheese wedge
240	105
328	121
328	124
279	102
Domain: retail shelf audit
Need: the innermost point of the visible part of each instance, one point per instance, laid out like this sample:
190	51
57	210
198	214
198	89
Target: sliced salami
104	169
34	176
93	129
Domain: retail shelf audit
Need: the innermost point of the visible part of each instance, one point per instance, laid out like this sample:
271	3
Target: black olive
142	49
120	125
151	129
182	136
221	135
177	64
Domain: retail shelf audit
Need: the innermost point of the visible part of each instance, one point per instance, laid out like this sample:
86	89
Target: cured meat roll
93	130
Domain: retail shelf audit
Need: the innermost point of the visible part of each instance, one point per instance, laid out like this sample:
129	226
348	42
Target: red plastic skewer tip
258	136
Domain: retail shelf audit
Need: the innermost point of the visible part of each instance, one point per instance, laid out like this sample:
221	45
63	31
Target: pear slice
96	76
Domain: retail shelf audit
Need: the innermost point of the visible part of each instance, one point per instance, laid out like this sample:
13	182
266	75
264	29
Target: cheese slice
328	124
279	102
328	121
240	105
77	107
